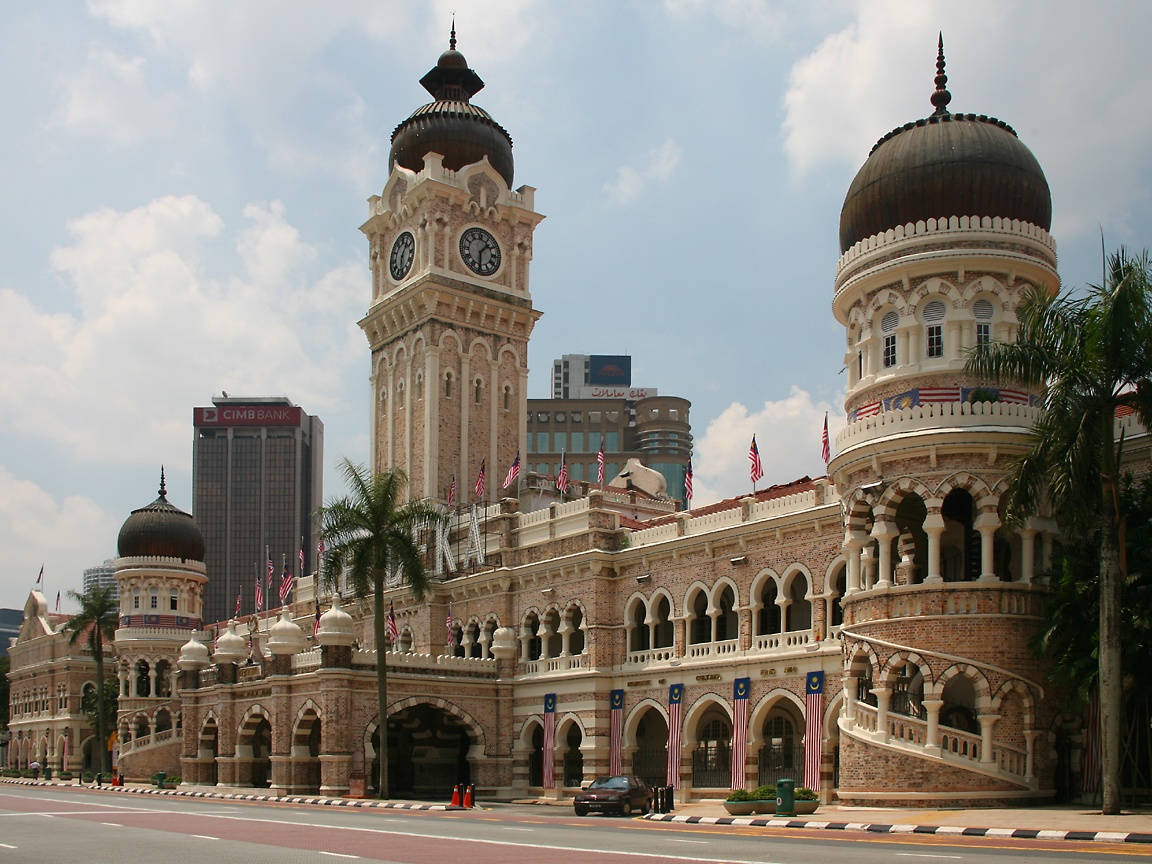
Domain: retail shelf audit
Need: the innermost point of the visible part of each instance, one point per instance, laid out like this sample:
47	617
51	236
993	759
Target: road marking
511	828
339	855
203	836
924	855
112	824
678	840
6	846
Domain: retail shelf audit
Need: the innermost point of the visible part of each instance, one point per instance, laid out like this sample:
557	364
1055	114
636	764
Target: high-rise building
257	468
102	575
594	404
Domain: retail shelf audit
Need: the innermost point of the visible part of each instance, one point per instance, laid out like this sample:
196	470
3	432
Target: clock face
400	262
480	251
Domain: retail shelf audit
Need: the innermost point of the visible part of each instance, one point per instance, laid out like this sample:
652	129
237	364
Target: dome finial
941	97
163	490
452	36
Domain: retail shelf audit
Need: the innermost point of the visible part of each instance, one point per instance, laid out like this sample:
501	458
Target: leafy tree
90	704
367	535
97	620
4	710
1092	355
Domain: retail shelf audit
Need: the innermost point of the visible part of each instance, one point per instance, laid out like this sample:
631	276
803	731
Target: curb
884	828
235	796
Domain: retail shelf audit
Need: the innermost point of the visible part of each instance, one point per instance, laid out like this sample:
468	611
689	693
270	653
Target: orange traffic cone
468	797
455	796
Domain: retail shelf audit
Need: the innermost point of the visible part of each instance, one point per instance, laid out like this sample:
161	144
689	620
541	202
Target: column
987	722
867	568
934	528
932	736
1030	736
848	683
883	698
853	542
565	632
1027	553
884	530
986	524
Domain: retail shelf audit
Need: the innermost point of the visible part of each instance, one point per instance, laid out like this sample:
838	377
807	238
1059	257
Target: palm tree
1092	355
98	619
369	533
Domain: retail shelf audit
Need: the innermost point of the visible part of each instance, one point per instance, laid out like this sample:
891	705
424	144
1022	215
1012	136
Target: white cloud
787	434
155	333
110	98
36	529
659	166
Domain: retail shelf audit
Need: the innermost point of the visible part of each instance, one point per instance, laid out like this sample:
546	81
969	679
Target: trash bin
785	797
161	776
47	772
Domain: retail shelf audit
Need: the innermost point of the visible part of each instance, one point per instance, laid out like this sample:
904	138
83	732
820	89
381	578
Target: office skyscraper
257	469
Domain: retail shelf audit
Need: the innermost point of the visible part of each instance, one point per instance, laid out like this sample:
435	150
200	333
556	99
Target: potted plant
765	797
806	800
740	803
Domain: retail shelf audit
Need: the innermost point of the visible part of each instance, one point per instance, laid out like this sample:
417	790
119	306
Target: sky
183	184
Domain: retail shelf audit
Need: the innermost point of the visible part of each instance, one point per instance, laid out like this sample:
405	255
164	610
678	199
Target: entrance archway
427	753
255	746
650	759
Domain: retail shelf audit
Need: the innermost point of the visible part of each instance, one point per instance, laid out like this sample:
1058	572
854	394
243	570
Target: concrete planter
747	808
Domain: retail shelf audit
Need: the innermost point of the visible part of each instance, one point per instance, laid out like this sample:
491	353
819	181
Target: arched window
934	328
701	624
399	394
982	310
419	388
638	637
768	618
447	385
799	608
507	398
478	391
888	327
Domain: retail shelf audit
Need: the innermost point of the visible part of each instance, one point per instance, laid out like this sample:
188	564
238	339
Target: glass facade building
257	469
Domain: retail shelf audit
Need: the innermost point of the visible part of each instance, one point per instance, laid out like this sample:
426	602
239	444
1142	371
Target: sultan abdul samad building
869	630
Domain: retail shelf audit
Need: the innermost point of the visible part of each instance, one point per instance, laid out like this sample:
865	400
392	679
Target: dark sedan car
621	794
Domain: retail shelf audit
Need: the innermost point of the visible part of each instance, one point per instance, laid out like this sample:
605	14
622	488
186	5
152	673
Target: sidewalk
1065	822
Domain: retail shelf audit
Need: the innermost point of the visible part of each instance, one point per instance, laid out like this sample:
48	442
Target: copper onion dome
453	127
160	531
945	165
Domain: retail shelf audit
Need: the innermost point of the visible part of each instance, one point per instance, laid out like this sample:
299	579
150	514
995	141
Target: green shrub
806	794
174	780
64	775
27	772
87	776
764	793
740	795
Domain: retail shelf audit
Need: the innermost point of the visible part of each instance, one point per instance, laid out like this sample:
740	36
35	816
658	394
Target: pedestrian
35	766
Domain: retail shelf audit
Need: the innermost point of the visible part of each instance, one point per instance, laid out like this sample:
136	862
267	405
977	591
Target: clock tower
450	244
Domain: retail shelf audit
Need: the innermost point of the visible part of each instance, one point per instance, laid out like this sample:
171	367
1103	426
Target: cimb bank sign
247	415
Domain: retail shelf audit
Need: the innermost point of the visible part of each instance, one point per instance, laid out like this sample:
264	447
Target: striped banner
740	688
1090	755
615	731
813	727
549	755
675	696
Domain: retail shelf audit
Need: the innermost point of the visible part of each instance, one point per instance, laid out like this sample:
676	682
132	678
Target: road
39	824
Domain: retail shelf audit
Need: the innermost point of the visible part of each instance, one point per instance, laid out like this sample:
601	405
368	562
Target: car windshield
609	783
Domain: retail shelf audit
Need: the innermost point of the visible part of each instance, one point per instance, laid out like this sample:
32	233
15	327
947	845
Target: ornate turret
161	531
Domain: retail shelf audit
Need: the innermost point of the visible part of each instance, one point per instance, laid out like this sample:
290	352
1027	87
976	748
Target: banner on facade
549	755
813	727
675	695
740	689
615	729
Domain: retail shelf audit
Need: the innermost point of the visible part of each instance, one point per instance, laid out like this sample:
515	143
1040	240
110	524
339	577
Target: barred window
933	316
888	327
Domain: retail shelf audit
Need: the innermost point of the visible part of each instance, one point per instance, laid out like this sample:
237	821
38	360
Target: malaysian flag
615	730
393	630
320	550
757	470
549	740
1014	397
562	477
57	601
239	596
1090	755
259	592
479	487
268	577
600	479
688	482
302	565
869	410
825	450
450	640
939	394
740	688
285	584
316	620
40	578
513	472
452	491
813	727
675	697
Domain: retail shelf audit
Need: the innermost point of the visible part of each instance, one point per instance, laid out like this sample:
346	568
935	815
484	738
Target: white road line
511	828
6	846
339	855
678	840
112	824
203	836
923	855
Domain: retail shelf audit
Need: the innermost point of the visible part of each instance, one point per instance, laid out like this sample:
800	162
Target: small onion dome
945	165
161	531
336	626
285	636
453	127
194	655
231	648
503	645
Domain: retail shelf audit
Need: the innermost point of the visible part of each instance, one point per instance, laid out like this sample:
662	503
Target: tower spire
452	36
941	97
163	490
